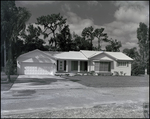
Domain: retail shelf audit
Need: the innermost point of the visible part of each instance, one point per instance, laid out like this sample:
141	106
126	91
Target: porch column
88	65
78	66
66	65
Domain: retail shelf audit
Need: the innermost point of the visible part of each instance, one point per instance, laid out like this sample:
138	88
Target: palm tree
88	34
98	33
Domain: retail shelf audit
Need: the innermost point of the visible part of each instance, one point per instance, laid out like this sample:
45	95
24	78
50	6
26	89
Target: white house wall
124	69
69	65
114	67
34	57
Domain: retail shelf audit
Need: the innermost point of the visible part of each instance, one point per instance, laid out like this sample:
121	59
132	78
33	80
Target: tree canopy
88	34
114	46
13	21
98	33
51	24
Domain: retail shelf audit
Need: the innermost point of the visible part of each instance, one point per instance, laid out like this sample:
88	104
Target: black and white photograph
74	59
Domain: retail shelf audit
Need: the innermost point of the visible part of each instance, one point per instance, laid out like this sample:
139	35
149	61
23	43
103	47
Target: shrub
67	74
116	73
92	72
121	72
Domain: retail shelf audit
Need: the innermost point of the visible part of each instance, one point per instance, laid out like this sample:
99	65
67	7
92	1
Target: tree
143	42
135	66
64	39
80	43
114	46
32	40
13	20
88	34
98	33
133	53
51	23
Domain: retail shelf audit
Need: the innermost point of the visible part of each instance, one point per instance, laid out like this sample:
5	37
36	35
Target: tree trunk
9	65
99	47
4	55
54	39
91	45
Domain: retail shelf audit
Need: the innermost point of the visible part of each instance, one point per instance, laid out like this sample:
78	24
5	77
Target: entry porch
72	66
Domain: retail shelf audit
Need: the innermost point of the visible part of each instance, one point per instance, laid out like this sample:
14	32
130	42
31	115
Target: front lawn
5	86
111	81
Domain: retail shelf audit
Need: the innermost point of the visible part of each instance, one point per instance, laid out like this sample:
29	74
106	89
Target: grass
90	81
111	81
5	86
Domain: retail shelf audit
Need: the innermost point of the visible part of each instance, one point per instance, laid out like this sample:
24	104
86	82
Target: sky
119	18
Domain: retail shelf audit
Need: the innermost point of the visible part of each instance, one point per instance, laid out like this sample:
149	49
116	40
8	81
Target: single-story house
39	62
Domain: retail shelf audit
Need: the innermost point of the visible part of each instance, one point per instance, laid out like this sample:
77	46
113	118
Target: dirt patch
38	81
42	81
24	93
99	111
74	80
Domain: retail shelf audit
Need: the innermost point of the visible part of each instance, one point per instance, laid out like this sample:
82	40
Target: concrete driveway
30	82
30	94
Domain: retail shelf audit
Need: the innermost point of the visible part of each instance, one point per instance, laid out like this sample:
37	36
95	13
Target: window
97	64
83	65
74	65
122	63
102	66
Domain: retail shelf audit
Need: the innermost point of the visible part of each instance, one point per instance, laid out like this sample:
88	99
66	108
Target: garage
38	68
36	63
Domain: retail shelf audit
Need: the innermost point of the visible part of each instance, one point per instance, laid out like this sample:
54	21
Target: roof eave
124	59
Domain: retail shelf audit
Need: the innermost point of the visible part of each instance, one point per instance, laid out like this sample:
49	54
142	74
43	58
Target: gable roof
36	50
71	55
104	59
88	53
80	55
115	55
119	55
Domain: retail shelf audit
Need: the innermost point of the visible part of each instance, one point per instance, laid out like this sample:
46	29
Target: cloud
66	7
36	2
92	3
132	11
129	45
122	31
131	3
120	28
78	6
127	19
76	23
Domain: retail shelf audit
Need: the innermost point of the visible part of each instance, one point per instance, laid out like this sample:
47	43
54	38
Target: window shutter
57	65
65	65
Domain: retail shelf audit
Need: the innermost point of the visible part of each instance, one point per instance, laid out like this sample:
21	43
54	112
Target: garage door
38	68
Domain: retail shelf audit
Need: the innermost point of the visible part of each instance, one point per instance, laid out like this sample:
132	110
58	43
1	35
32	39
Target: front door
61	65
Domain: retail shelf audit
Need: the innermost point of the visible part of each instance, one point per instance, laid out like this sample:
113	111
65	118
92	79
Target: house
49	62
